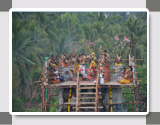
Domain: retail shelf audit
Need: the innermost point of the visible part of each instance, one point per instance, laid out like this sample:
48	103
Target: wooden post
97	97
48	98
135	87
44	88
48	93
43	98
135	96
77	92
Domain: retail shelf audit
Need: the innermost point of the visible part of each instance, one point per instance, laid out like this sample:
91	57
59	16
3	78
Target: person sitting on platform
124	71
128	76
56	73
51	68
118	61
54	80
55	76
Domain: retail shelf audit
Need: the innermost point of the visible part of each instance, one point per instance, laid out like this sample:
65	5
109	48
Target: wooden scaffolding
85	91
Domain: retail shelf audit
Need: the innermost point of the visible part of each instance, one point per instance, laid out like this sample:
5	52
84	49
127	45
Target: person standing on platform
58	63
51	61
64	60
106	59
118	61
82	65
72	63
78	61
93	61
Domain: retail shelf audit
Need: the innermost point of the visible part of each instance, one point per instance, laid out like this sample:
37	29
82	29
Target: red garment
131	79
94	71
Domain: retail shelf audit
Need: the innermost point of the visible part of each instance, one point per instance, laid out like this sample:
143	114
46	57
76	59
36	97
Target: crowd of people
80	61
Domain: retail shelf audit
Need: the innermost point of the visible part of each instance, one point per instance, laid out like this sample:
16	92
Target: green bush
128	98
142	89
17	104
34	110
55	102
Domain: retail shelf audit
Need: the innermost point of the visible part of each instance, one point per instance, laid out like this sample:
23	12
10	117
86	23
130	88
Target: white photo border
74	10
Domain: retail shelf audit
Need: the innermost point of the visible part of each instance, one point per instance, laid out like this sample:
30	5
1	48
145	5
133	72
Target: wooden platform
83	83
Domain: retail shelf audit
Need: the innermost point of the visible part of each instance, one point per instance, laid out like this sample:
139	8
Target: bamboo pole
97	93
77	92
32	98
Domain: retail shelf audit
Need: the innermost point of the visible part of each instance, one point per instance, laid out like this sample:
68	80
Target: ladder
87	96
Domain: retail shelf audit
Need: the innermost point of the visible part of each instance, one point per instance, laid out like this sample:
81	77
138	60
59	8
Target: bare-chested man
64	60
72	62
105	60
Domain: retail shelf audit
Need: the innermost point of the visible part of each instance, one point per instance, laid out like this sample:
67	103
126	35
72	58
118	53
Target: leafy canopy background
36	35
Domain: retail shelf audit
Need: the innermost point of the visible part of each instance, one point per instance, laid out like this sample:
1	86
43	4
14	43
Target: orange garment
64	64
53	81
107	72
57	80
131	79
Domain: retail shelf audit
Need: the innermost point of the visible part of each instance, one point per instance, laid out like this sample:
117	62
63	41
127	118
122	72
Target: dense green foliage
34	110
17	104
142	92
35	35
143	88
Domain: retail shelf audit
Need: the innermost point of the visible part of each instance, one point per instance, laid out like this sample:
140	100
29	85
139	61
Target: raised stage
83	83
